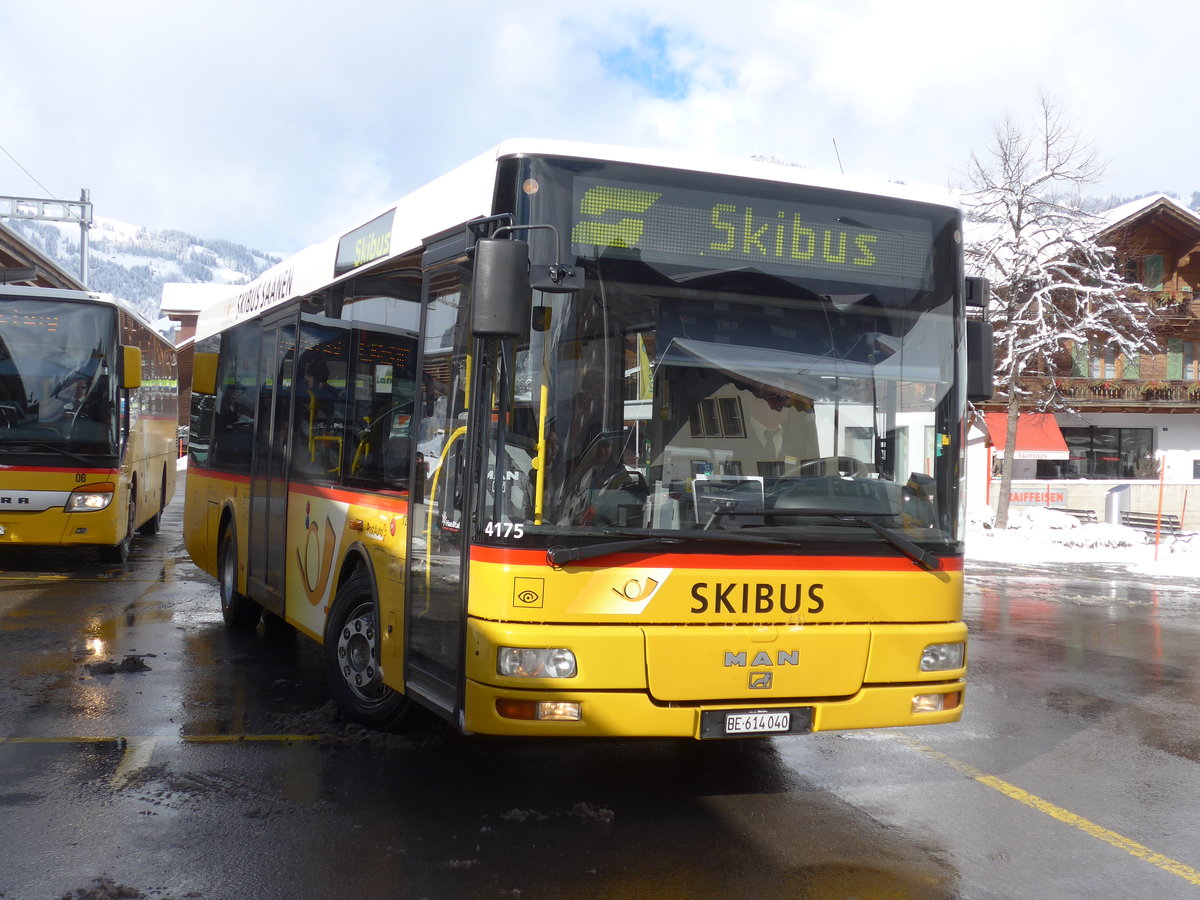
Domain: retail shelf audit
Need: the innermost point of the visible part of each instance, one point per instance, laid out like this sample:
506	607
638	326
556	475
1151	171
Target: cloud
649	63
277	124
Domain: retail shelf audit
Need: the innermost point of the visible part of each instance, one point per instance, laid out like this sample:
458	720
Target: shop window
1110	453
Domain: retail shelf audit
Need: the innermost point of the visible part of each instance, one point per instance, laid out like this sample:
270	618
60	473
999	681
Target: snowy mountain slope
133	263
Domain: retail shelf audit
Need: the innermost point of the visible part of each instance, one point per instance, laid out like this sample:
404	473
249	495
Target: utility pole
56	211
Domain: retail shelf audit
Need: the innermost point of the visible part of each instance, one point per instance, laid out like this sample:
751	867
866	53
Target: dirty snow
1037	535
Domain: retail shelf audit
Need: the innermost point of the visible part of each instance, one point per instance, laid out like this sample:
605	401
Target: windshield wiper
559	556
23	447
863	519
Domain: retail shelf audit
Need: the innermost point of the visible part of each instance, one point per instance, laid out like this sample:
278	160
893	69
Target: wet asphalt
145	751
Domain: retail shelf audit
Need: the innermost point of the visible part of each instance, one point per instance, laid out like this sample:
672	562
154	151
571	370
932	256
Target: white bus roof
43	293
465	193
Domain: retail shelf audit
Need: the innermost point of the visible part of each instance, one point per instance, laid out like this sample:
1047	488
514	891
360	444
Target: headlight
90	498
526	662
940	657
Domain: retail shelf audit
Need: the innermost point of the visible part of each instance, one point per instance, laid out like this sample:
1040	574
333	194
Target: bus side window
381	428
319	426
237	388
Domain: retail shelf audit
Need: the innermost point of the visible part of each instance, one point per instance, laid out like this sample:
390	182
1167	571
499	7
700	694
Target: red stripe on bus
519	557
390	500
214	473
58	470
394	502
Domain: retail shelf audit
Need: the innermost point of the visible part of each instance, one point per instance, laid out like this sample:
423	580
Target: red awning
1038	436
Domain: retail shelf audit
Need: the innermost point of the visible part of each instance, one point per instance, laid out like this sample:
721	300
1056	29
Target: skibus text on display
88	421
586	441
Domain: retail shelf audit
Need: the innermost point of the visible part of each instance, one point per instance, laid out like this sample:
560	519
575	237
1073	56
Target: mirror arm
559	274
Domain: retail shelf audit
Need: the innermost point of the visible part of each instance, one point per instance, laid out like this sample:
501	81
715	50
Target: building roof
1167	212
181	298
18	253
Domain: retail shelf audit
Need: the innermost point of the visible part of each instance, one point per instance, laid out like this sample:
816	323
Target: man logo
760	681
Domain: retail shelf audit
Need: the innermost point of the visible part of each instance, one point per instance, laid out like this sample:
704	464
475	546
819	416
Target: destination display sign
715	230
365	244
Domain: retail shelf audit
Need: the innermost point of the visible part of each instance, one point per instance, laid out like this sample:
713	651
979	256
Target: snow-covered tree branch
1054	288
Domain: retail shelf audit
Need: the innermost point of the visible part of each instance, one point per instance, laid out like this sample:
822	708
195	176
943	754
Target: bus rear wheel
238	610
351	652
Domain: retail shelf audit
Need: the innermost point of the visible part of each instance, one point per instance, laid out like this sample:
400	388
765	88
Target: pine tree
1053	287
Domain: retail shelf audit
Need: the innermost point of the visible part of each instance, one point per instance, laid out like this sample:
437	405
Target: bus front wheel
351	652
119	552
238	610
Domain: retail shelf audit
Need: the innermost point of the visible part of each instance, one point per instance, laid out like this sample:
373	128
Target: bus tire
152	524
238	610
119	552
351	652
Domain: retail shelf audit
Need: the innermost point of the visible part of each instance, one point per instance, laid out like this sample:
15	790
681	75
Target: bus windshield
752	377
57	378
684	408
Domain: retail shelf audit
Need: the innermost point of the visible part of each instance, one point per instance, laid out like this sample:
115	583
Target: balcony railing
1174	306
1107	391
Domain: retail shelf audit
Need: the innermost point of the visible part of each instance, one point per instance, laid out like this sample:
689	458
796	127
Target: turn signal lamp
532	662
540	710
941	657
928	703
90	498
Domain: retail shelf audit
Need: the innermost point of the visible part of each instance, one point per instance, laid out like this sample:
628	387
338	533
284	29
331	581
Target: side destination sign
365	244
261	294
668	224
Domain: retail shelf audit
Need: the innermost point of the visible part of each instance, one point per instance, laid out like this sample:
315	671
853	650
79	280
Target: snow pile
1037	535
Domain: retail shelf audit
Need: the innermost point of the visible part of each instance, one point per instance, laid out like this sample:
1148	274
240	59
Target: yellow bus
88	421
593	441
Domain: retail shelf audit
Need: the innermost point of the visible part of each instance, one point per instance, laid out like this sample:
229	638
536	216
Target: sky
278	124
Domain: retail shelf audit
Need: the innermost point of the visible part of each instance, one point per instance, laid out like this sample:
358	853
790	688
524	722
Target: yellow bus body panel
659	643
44	521
632	714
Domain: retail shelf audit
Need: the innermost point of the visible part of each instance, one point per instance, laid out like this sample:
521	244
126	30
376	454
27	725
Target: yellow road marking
185	738
136	758
236	738
1132	847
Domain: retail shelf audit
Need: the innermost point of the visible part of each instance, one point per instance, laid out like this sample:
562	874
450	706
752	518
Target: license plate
732	723
757	722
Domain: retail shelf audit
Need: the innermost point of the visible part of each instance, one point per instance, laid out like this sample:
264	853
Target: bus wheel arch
152	524
119	552
238	610
351	652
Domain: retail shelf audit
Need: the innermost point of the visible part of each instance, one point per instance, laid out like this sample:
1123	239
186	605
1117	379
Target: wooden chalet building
1134	421
182	303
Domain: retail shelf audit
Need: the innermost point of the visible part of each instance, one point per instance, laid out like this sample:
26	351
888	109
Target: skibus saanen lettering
591	441
88	421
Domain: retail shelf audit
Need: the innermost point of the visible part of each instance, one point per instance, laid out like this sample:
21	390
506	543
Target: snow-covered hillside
133	263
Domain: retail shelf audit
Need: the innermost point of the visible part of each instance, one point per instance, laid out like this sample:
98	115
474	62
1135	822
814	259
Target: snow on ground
1037	535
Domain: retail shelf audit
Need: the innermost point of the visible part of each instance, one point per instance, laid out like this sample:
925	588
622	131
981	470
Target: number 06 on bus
588	441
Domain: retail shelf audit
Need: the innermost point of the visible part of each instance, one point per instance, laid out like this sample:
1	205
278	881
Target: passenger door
439	528
268	483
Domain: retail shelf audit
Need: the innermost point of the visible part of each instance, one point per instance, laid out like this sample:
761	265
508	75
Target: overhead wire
33	178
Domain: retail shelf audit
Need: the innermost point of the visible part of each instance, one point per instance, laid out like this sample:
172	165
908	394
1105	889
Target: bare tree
1053	286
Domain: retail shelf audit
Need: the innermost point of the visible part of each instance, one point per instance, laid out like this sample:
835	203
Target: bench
1151	522
1083	515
